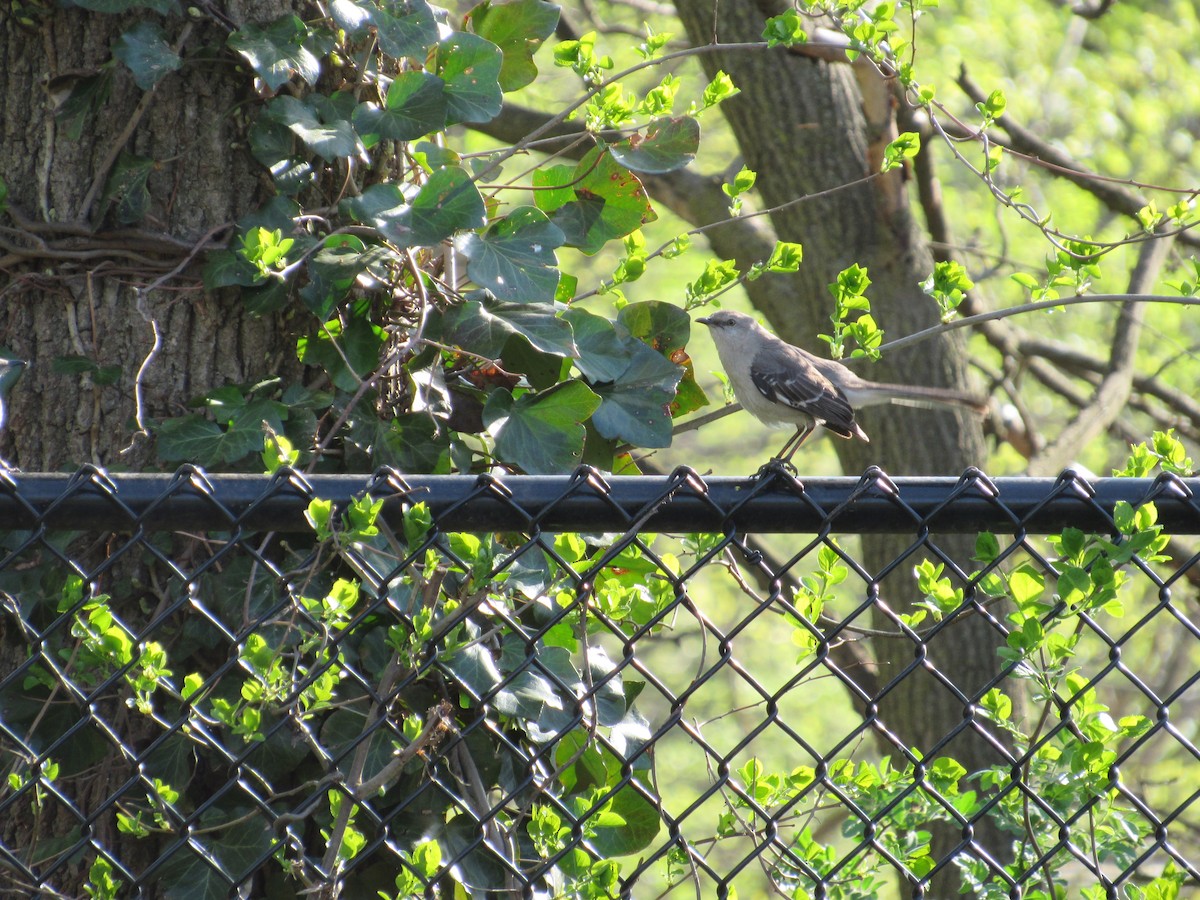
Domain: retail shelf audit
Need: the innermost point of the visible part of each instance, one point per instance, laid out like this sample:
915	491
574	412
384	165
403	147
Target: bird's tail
916	395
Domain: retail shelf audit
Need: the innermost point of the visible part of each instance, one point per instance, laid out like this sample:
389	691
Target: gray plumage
778	383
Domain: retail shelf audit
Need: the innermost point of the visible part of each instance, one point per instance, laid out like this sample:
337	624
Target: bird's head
732	329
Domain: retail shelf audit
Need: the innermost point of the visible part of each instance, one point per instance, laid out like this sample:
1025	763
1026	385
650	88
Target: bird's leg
782	459
793	444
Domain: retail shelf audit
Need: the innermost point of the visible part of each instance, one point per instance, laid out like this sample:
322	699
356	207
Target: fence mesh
580	687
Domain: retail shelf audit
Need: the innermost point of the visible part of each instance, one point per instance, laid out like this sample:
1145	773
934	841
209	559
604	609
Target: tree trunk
805	127
74	304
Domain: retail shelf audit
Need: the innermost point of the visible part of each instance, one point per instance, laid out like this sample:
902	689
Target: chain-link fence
580	687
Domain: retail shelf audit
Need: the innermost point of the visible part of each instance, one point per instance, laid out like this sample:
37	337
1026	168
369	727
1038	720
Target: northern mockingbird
781	384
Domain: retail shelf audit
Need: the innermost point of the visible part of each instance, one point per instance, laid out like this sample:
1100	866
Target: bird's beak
704	320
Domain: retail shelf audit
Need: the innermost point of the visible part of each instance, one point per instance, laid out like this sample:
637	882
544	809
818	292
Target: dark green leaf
191	439
162	7
484	329
603	354
514	258
636	405
405	28
359	346
609	201
78	365
144	49
447	202
664	326
333	270
84	99
372	202
415	444
541	370
667	145
470	67
538	324
277	50
234	839
474	668
126	187
416	106
542	433
224	268
316	125
518	29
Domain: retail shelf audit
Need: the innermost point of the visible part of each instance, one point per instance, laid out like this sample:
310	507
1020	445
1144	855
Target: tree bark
805	126
74	287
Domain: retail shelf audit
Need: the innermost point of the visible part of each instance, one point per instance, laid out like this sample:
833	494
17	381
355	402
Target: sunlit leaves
904	147
518	29
784	30
599	200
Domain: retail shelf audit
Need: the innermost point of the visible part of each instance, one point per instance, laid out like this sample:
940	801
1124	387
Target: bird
779	383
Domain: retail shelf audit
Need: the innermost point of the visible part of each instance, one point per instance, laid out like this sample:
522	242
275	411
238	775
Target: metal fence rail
597	687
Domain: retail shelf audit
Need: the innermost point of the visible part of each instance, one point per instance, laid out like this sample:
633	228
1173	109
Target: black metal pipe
191	500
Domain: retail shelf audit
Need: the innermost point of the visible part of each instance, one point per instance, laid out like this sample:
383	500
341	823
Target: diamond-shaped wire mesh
576	687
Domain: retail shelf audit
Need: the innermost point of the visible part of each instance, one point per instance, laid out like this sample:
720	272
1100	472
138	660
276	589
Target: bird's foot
776	466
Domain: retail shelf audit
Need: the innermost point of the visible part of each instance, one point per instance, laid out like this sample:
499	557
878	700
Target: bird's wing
785	375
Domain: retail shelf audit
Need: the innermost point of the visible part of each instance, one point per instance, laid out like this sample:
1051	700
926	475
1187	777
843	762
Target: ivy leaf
145	51
405	28
84	99
316	124
606	200
543	432
333	269
225	268
415	106
447	202
355	356
278	50
514	258
232	841
470	67
518	29
126	187
162	7
485	329
373	202
411	442
636	405
668	144
635	824
603	354
191	438
664	326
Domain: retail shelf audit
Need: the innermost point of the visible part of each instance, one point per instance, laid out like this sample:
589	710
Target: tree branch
1115	196
1114	389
